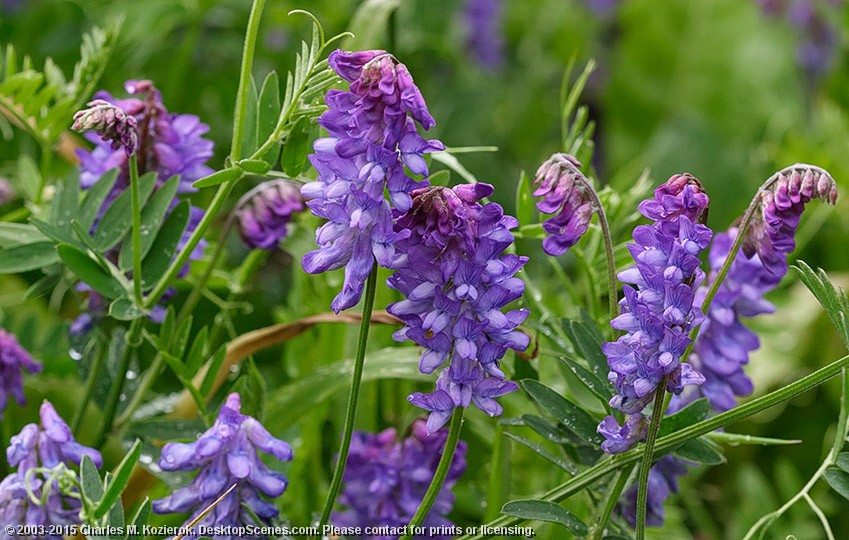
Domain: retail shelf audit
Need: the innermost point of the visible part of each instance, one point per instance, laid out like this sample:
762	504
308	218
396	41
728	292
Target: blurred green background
719	89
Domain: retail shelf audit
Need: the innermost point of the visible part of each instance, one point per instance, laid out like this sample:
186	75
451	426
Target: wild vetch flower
14	361
456	280
372	137
659	313
663	481
226	454
110	123
782	202
564	190
7	193
484	33
385	479
48	446
265	212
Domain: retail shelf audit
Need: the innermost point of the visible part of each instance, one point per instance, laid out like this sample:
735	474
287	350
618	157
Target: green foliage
546	511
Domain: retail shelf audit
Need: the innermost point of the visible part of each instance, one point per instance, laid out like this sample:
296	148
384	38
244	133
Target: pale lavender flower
226	454
373	136
46	446
659	313
456	279
14	362
386	478
110	122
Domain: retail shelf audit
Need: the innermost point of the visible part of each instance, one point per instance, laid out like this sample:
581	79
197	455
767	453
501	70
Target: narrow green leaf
524	200
368	25
118	218
548	430
59	235
567	413
44	285
166	329
123	309
546	511
838	479
254	166
151	217
90	272
181	337
689	415
65	202
588	343
296	148
94	198
119	480
142	516
177	366
269	111
12	234
28	178
27	257
842	461
219	177
212	372
251	386
92	486
701	451
197	353
249	136
164	248
739	439
562	463
595	385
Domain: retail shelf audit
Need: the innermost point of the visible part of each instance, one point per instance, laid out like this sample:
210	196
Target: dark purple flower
658	311
226	454
265	213
46	446
563	190
386	479
110	122
663	481
484	32
14	361
373	136
456	280
772	234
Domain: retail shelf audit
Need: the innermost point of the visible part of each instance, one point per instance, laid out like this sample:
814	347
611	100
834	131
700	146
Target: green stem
5	437
44	169
195	295
498	486
613	495
111	406
440	475
648	452
668	442
136	236
245	79
91	382
149	378
336	482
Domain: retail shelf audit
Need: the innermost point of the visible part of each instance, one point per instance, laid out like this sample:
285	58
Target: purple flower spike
658	312
110	122
48	446
226	454
484	32
14	361
563	190
386	479
266	212
373	136
772	234
451	269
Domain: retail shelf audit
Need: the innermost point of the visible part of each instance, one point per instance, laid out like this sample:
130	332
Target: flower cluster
226	455
373	137
565	191
14	360
110	122
456	280
165	143
484	36
266	212
660	312
33	451
385	479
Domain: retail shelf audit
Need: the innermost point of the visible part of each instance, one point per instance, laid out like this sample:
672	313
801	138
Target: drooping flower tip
266	211
110	122
562	189
682	194
14	362
386	477
226	454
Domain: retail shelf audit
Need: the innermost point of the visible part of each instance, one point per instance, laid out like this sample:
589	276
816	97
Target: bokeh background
728	90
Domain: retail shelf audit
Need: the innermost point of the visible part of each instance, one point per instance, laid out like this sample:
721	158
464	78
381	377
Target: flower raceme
456	279
658	309
564	191
34	451
265	212
226	454
373	136
386	479
14	361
